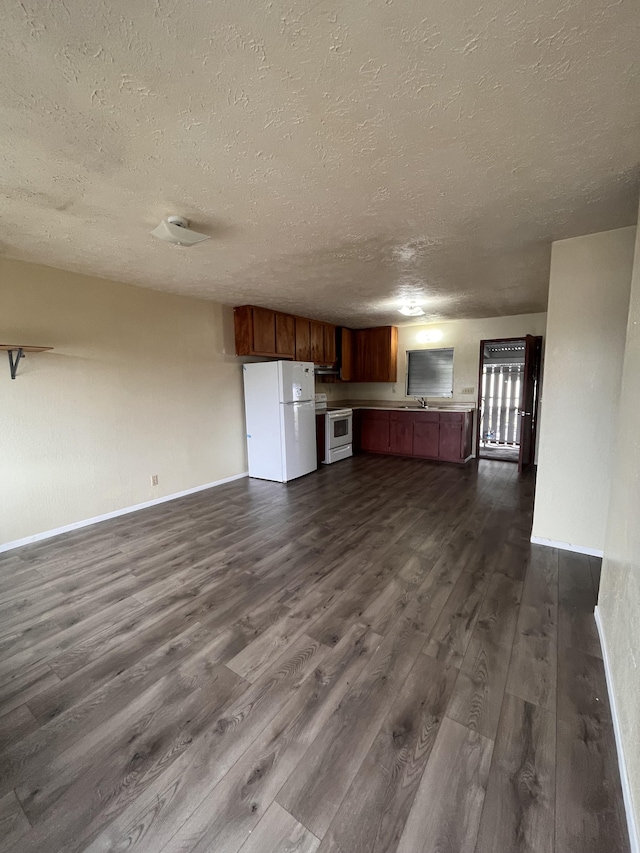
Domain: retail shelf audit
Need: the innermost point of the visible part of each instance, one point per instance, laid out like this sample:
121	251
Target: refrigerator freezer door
299	439
297	381
262	410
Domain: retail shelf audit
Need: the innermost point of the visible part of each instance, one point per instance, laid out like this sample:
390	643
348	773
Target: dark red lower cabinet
443	436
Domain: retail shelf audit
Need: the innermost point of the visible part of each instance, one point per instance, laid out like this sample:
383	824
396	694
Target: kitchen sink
421	408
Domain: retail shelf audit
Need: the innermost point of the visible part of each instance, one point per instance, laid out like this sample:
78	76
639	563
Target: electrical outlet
467	390
154	479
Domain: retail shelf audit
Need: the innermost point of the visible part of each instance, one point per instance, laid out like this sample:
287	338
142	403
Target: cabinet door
264	331
374	431
401	434
378	343
330	356
450	445
426	438
243	324
376	354
383	343
285	335
303	341
346	360
362	360
317	342
391	366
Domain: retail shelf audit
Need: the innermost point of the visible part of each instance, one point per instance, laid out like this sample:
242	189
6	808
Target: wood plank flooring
372	659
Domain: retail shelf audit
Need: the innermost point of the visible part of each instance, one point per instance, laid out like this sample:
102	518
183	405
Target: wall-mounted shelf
16	352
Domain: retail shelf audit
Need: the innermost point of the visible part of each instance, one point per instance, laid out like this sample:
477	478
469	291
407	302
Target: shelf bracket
13	363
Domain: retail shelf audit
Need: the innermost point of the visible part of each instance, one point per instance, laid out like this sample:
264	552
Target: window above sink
430	373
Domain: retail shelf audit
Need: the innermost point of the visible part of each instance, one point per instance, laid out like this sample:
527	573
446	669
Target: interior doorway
508	399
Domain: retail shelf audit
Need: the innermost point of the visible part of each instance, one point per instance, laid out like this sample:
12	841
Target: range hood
336	368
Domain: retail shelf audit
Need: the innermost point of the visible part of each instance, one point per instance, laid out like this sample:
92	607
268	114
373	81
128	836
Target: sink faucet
422	402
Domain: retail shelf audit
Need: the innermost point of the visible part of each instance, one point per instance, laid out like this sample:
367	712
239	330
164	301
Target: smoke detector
175	229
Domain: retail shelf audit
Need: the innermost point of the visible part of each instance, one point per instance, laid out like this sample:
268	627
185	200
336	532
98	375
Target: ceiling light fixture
411	310
174	229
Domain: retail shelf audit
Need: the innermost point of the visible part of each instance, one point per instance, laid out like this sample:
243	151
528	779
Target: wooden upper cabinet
260	331
264	330
330	353
303	339
376	354
285	335
361	357
368	355
346	361
383	354
317	341
245	319
243	329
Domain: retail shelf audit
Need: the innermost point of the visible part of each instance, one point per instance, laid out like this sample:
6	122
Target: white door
299	439
297	381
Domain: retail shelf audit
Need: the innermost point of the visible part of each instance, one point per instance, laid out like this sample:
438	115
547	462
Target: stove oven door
339	429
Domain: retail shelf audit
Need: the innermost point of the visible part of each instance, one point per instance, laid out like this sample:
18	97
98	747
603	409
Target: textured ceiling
343	155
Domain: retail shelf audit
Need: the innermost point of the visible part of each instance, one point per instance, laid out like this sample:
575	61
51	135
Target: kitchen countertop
388	405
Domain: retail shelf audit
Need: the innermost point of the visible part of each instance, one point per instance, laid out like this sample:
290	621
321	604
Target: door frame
480	366
535	356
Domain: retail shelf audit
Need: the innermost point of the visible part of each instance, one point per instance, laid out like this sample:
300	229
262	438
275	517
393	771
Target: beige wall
139	383
464	336
619	600
586	328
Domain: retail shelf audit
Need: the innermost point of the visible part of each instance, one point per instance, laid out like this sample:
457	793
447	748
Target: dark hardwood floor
371	659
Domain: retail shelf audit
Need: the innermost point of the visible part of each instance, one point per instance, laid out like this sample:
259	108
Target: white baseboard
634	843
566	546
48	534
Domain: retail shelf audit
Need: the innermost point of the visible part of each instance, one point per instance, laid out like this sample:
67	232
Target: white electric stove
338	430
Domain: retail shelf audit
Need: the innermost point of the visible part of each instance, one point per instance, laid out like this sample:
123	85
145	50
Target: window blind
430	373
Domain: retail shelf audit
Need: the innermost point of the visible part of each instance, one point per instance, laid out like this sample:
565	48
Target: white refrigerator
280	411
